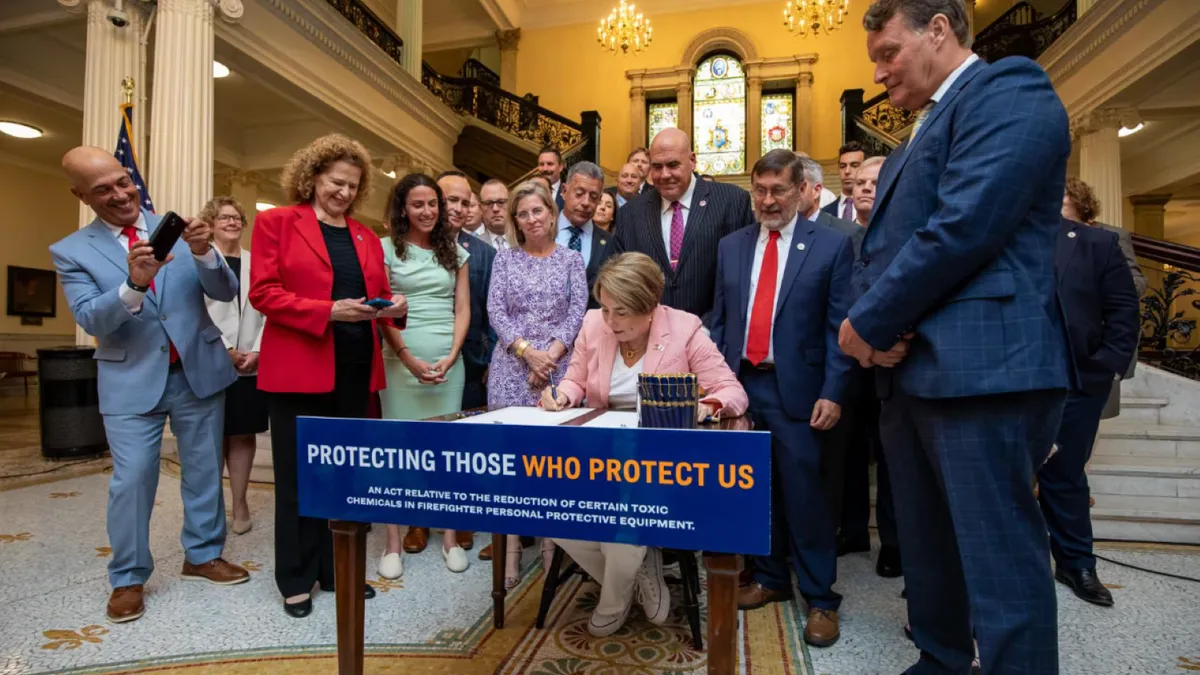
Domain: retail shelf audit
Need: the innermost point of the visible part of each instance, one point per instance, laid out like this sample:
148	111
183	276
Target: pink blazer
677	345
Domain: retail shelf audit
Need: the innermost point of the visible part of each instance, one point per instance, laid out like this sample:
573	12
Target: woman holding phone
425	377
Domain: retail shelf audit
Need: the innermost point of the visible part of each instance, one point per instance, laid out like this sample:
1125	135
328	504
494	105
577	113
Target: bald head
671	163
99	181
457	193
629	181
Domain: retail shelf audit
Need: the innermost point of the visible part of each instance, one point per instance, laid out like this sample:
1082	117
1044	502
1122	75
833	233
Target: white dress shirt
564	237
784	244
622	386
554	189
131	298
827	197
841	207
686	202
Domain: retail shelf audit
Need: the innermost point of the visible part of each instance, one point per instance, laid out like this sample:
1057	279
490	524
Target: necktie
131	234
575	243
676	233
758	343
921	115
848	209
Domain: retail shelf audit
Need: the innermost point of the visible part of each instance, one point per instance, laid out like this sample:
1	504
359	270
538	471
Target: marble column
409	17
181	117
753	121
802	114
1149	215
683	96
508	41
1100	162
112	54
638	124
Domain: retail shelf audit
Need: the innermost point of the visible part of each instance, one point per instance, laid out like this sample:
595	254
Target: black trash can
69	403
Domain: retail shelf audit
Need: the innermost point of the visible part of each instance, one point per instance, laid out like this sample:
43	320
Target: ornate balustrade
371	26
1173	273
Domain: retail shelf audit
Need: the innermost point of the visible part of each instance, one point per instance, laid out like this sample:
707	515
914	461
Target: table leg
499	564
722	613
350	577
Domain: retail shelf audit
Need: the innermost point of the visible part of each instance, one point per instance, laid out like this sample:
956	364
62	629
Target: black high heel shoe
298	610
368	590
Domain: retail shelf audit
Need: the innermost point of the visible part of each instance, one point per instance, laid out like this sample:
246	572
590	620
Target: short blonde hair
869	162
300	175
633	280
213	208
529	188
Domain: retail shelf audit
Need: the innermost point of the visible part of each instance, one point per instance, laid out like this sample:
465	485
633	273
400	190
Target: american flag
128	158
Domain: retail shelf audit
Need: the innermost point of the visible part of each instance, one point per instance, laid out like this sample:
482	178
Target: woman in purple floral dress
535	304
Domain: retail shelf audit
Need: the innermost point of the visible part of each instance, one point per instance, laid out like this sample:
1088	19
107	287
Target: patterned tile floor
52	594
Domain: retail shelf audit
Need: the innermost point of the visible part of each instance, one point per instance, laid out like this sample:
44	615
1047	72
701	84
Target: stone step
1138	439
1144	476
1134	518
1141	409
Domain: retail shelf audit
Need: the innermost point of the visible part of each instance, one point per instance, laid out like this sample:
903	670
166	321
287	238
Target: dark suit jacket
602	247
717	209
1098	297
960	246
851	229
809	310
477	348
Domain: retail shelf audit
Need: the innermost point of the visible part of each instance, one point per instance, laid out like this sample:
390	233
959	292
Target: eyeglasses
227	218
494	203
526	216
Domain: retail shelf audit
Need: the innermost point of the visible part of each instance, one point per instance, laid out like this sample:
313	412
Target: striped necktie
921	115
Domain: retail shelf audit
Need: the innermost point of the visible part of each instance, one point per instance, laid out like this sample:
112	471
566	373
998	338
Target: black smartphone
168	232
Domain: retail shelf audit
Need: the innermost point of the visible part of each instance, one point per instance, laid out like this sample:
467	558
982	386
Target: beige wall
40	211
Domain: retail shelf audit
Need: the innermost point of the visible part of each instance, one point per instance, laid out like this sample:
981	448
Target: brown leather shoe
485	553
416	539
821	628
216	571
465	540
125	604
756	595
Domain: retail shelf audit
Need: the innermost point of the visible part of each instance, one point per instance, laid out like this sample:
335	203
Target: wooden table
350	564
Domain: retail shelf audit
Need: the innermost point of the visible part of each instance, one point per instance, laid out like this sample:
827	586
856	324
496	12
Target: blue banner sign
688	489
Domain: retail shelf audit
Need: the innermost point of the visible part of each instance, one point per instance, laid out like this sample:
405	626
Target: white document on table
536	417
615	419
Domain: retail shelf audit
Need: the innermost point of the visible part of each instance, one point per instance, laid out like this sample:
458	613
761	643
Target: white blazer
242	331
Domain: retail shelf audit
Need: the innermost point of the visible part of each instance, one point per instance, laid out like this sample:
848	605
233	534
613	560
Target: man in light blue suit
957	293
159	356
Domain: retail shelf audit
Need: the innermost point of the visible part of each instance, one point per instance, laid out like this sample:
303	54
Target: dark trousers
304	546
862	444
474	392
1063	485
800	514
976	558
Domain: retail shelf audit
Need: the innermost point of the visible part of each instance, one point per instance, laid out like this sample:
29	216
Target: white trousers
615	566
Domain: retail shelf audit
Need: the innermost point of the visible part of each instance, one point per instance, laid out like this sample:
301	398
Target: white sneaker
652	593
603	625
456	559
391	566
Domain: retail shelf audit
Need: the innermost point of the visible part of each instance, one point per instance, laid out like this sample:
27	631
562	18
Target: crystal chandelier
625	29
813	17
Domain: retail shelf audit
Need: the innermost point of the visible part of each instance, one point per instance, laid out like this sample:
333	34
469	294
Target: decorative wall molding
1101	24
730	39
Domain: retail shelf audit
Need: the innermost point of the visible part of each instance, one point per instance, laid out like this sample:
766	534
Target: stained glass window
662	116
719	114
776	122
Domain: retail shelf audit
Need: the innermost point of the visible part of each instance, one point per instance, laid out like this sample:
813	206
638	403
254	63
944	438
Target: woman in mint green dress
425	377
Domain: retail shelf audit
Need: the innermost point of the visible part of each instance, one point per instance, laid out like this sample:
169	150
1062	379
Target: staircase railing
1173	275
371	26
475	70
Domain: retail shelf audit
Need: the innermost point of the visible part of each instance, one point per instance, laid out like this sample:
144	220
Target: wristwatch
139	289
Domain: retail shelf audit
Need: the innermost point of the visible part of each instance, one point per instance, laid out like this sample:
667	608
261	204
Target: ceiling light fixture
813	17
1126	131
18	130
624	29
263	206
220	70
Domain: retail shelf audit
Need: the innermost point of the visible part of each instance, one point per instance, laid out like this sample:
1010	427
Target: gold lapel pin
603	242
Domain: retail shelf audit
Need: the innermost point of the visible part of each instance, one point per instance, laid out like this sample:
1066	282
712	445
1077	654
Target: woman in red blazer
313	270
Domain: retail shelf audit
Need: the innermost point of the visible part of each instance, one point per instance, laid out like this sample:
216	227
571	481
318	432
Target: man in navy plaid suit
957	303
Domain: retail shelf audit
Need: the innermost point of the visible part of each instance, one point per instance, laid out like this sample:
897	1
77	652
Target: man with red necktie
782	291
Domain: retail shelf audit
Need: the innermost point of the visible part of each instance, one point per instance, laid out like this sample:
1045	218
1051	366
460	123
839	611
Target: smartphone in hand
168	232
379	303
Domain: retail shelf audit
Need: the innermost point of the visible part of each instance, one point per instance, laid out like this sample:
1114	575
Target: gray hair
587	169
813	173
918	13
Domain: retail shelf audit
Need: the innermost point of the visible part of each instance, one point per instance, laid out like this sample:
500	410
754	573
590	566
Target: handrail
357	13
475	70
876	143
1167	252
1028	39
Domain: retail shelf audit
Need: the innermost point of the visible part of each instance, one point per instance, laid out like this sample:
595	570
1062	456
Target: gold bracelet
522	347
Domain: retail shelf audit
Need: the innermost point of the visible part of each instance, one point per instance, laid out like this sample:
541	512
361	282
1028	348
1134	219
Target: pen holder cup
667	401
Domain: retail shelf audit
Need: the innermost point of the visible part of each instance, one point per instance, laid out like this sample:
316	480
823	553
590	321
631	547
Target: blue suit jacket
960	246
1098	297
132	349
477	348
809	310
